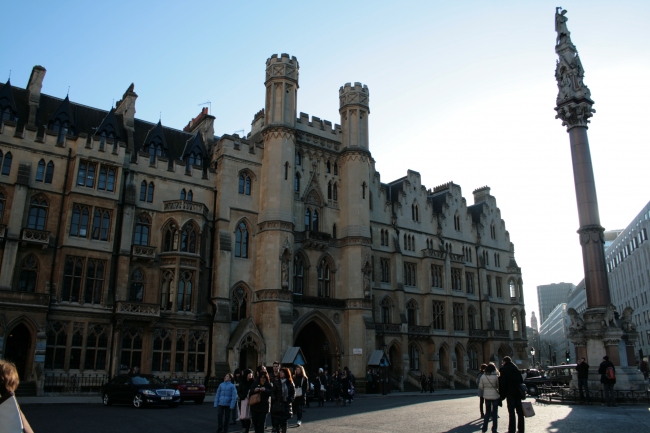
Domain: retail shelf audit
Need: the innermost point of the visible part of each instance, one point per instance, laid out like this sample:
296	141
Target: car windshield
145	380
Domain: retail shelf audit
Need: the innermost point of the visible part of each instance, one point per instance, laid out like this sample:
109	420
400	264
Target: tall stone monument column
598	332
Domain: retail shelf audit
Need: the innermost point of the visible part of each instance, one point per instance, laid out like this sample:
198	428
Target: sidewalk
96	399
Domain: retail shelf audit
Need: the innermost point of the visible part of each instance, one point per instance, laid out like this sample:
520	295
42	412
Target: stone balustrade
138	309
185	206
34	236
15	297
143	251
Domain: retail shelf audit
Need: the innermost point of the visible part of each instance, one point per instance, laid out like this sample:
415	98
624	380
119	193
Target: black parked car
139	390
559	375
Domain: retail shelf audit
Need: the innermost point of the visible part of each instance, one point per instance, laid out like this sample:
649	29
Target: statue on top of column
563	33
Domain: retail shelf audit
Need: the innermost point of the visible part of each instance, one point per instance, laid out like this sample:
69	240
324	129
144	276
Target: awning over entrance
293	356
378	359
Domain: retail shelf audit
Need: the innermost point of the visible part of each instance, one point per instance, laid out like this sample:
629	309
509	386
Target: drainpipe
210	282
117	245
58	228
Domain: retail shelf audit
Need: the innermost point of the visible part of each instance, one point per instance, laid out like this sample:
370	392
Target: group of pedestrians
337	387
426	383
495	386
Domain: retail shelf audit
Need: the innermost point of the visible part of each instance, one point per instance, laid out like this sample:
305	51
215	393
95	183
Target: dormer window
155	149
7	114
194	158
63	128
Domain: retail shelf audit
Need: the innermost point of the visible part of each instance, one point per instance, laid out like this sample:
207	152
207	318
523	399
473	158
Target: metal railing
66	383
558	394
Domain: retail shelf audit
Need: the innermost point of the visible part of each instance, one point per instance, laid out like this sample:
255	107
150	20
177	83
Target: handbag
523	389
298	391
528	409
322	388
254	399
244	409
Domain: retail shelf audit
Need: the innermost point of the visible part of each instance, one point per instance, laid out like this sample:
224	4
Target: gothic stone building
125	242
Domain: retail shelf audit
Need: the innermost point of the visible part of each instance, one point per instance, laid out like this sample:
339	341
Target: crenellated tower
276	221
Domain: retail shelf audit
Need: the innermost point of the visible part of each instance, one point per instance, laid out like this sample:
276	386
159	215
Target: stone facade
127	243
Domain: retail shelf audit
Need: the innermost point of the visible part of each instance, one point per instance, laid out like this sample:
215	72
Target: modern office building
550	296
628	267
554	336
578	298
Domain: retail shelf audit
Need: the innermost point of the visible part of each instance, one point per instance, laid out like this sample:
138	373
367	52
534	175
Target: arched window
335	192
307	219
150	192
502	320
241	240
473	358
40	171
244	184
324	279
414	358
334	231
239	304
314	221
6	163
162	351
523	321
94	282
142	230
385	307
195	158
143	191
412	312
171	238
298	158
336	170
184	295
370	199
493	231
515	322
329	191
28	274
110	183
298	275
188	239
166	299
49	172
37	214
471	318
413	212
493	318
183	194
80	220
101	224
72	279
327	167
63	129
296	183
520	286
190	195
513	290
137	286
155	149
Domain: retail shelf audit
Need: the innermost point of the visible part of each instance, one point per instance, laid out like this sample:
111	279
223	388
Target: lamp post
532	353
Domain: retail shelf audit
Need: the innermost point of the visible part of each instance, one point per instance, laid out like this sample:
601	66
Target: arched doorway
248	356
319	351
18	347
444	359
395	359
460	359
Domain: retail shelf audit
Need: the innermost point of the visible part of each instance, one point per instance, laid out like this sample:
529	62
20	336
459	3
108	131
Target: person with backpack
608	379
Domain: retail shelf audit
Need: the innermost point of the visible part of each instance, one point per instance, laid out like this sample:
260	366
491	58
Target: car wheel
106	400
198	401
532	390
137	401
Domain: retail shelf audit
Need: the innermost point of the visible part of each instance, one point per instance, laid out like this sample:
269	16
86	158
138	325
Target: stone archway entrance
17	349
395	359
319	351
248	356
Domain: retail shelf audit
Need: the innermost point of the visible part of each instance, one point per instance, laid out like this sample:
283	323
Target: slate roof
88	119
291	354
7	97
375	358
476	211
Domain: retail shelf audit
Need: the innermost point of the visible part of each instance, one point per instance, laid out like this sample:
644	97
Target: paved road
382	414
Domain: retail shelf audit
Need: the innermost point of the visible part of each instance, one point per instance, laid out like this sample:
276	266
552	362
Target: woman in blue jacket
225	401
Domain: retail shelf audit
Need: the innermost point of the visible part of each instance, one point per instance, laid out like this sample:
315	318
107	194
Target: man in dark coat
509	380
608	384
583	375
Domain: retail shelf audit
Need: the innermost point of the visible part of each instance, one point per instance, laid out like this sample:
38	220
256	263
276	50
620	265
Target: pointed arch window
106	179
473	358
241	241
171	238
195	158
131	355
502	320
101	224
363	190
513	290
412	312
385	309
184	295
329	191
183	194
296	183
155	149
239	304
80	221
37	214
328	167
298	275
515	322
96	348
94	282
471	318
324	279
414	358
40	171
334	231
150	191
143	191
137	286
190	195
307	219
49	172
63	128
6	163
298	158
28	274
188	239
162	351
335	192
57	339
314	221
166	297
244	184
493	231
142	230
72	279
336	169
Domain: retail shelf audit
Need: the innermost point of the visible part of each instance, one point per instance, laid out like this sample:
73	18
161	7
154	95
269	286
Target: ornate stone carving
336	318
275	225
627	322
273	132
574	104
611	341
577	324
591	234
273	295
610	317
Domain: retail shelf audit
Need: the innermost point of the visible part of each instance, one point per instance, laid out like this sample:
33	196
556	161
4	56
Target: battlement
443	187
481	189
358	87
258	115
481	194
283	58
318	123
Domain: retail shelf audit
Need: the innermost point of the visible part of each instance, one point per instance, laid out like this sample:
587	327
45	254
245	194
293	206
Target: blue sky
460	91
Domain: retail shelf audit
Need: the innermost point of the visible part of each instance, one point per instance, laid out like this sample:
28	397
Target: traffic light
568	356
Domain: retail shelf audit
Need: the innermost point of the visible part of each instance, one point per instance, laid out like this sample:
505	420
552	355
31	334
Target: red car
188	389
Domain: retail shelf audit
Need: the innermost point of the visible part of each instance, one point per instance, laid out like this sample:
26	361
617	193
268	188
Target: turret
354	108
281	90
